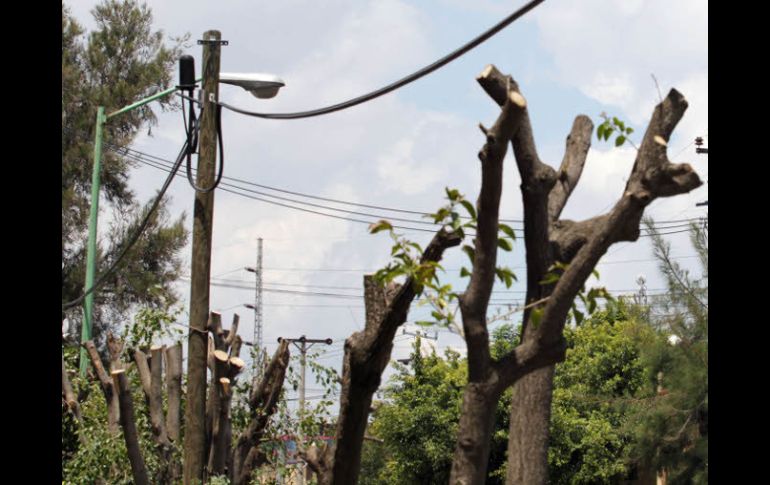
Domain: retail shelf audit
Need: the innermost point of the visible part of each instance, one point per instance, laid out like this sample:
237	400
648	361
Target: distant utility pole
417	334
700	151
303	348
200	272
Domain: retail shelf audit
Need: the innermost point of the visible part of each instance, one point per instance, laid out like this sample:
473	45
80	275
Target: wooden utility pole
303	348
195	412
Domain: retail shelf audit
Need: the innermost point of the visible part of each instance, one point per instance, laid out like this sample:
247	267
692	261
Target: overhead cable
397	84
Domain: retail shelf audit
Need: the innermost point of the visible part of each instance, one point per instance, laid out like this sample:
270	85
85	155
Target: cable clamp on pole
213	41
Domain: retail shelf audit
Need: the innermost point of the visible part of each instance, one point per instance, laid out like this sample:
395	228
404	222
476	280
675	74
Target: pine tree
121	61
671	435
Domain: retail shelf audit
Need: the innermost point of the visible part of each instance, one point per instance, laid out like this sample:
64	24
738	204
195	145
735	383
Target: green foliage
121	61
102	456
602	372
672	434
418	423
613	125
425	279
418	419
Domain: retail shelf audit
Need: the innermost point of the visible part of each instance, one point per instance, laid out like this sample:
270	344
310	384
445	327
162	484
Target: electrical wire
134	237
401	82
160	166
142	157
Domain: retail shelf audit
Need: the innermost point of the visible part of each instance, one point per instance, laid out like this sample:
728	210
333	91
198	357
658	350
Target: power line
401	82
142	157
375	216
137	233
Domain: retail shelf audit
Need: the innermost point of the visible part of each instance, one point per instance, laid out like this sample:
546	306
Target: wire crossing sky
393	155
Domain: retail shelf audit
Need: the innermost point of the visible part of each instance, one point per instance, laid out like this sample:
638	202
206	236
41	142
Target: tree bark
69	395
367	353
262	402
174	391
138	468
581	245
107	385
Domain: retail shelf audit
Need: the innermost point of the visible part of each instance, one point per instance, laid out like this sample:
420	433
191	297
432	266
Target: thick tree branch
578	143
367	353
537	181
652	176
110	395
262	402
174	391
138	468
69	395
474	302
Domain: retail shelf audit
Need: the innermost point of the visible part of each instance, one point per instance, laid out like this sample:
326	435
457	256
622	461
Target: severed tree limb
235	349
138	468
262	402
157	419
231	335
220	435
367	353
482	392
214	404
578	143
69	395
174	391
110	395
115	348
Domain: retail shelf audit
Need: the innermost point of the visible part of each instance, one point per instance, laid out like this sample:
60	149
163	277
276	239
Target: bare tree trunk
138	468
174	391
262	401
529	428
107	385
367	353
579	245
69	395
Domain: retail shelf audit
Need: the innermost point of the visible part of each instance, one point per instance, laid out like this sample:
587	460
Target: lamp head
263	86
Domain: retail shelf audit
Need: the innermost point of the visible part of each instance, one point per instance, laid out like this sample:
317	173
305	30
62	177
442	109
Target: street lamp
260	85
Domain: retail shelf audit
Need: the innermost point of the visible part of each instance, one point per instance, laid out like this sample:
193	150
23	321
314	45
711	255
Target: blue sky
401	150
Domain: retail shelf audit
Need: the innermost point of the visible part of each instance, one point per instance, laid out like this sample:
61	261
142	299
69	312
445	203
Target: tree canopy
121	61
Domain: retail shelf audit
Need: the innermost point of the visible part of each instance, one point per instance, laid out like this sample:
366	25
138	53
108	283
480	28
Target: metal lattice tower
258	311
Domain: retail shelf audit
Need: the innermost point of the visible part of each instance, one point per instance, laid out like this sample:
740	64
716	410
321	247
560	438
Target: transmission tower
258	310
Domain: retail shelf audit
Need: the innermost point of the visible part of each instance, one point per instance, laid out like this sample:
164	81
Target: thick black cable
401	82
218	115
134	237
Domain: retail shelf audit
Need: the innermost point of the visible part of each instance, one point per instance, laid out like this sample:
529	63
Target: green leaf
464	272
504	244
469	207
508	231
452	194
380	226
470	252
424	323
550	278
535	316
595	272
620	140
579	316
629	130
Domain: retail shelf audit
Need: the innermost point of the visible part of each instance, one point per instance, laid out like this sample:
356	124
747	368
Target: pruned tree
571	250
560	255
223	458
367	353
